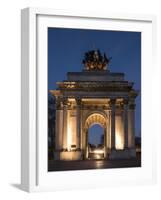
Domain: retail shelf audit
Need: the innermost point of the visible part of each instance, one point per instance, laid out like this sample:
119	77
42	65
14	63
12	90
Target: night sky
66	48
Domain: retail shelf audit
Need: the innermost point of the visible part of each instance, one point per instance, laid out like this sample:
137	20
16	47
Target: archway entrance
95	136
96	142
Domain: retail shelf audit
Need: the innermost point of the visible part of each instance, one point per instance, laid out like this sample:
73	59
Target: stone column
113	101
78	101
105	142
131	125
65	118
86	144
58	139
125	123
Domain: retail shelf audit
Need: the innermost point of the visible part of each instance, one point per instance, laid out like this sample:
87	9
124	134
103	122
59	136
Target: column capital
78	101
58	103
65	101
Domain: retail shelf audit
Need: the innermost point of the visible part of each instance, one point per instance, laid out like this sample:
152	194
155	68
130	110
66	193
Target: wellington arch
94	96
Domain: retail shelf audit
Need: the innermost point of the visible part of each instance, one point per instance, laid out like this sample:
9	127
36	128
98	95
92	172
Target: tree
51	125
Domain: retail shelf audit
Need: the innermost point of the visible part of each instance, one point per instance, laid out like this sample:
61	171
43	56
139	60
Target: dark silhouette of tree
51	125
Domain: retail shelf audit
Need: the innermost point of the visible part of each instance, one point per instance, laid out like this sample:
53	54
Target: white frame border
29	172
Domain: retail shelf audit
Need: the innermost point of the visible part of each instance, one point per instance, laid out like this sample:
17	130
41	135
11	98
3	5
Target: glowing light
98	164
69	135
119	142
97	156
98	151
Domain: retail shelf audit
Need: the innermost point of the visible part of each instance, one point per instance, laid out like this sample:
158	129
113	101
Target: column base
68	155
122	154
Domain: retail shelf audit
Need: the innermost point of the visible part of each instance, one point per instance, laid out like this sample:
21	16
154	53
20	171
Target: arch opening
95	135
96	125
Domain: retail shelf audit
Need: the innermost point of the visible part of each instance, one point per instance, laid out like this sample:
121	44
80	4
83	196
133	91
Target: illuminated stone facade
95	96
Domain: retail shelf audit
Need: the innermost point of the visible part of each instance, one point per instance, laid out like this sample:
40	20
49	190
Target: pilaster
78	120
125	123
113	110
65	118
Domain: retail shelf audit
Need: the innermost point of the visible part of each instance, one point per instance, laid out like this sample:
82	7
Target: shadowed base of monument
93	164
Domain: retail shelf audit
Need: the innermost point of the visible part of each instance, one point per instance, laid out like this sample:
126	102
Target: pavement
93	164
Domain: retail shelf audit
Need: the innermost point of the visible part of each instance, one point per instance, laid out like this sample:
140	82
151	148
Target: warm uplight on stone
95	96
119	142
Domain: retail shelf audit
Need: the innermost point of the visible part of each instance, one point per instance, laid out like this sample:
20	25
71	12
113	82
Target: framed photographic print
86	114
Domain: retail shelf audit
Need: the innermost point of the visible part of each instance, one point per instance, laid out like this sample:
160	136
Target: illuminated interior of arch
95	118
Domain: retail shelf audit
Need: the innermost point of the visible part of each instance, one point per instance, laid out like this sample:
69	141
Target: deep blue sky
66	48
95	133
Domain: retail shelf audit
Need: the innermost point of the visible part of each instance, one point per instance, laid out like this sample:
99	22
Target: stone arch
94	117
99	113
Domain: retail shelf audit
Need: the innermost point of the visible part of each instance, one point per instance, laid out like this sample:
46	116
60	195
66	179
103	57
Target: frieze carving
95	86
95	107
68	84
